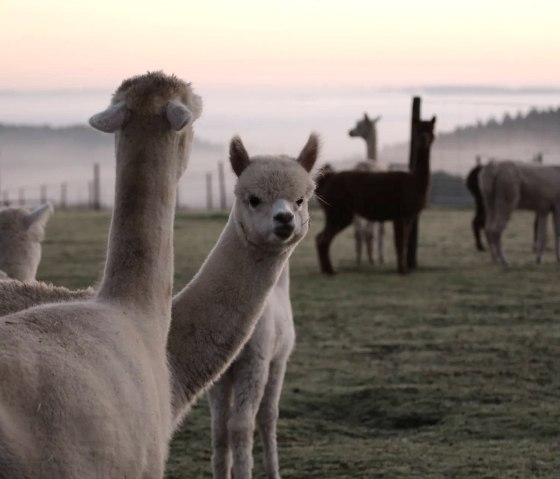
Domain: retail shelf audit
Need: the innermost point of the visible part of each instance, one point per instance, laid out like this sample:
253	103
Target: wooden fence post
412	258
63	195
209	202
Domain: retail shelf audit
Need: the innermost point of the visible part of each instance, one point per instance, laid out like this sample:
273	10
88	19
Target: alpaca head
272	194
150	107
364	127
424	132
21	233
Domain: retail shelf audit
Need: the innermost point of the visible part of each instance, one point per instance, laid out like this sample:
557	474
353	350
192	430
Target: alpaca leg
251	375
401	245
368	238
380	242
219	398
267	418
336	222
477	226
358	239
539	235
556	221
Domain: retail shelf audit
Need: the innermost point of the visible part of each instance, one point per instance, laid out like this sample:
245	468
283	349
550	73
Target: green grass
449	372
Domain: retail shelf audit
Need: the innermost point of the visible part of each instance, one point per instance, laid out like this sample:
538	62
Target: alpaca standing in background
394	195
508	185
364	230
85	385
21	233
217	311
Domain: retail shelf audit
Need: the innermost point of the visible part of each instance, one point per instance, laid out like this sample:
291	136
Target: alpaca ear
110	119
238	156
37	219
366	117
310	151
433	120
376	119
178	115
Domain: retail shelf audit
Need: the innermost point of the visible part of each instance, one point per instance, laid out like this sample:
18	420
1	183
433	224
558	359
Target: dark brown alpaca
479	215
396	196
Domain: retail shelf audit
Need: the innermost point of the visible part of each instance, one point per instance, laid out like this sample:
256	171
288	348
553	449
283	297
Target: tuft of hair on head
36	220
238	156
310	152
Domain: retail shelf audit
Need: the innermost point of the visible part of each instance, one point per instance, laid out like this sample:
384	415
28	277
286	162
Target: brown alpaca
479	215
397	196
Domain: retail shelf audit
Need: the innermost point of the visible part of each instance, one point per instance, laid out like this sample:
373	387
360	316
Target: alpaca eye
299	202
254	201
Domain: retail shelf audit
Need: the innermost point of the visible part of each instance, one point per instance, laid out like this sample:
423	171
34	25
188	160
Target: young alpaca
364	230
508	185
21	233
479	216
85	385
276	210
216	312
394	195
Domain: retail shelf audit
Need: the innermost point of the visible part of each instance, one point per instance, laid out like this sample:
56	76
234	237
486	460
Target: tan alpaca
217	311
85	385
506	186
21	233
364	230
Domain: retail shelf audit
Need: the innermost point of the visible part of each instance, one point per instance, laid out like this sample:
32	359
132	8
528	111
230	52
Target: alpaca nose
284	218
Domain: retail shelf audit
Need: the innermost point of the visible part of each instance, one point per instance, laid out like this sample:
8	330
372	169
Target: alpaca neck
371	144
422	166
139	267
206	334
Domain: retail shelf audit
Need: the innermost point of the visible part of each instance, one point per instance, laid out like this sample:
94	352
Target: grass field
450	372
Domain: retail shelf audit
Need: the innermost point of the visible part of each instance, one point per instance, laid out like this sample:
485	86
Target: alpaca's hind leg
401	244
267	418
539	240
380	242
368	239
358	236
251	376
219	398
336	221
477	226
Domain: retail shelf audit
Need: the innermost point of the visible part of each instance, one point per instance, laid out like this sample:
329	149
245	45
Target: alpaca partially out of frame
216	312
479	214
364	230
508	185
397	196
85	385
21	233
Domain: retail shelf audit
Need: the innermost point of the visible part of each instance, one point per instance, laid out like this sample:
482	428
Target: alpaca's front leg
267	418
219	398
380	242
540	235
358	237
368	238
251	375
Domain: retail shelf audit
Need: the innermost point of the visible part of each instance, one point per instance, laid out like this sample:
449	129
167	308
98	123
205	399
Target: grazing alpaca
508	185
250	389
394	195
21	233
364	230
85	385
217	311
479	216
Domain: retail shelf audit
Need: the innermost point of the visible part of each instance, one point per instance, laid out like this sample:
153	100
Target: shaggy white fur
21	233
85	385
364	230
506	186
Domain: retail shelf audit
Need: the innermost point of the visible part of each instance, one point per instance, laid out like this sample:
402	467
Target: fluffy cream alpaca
364	230
506	186
216	312
86	390
21	233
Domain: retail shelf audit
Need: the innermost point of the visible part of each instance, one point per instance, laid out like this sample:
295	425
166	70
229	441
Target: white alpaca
508	185
21	233
364	230
85	385
250	388
216	312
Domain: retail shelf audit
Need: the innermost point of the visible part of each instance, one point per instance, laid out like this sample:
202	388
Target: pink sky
49	44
